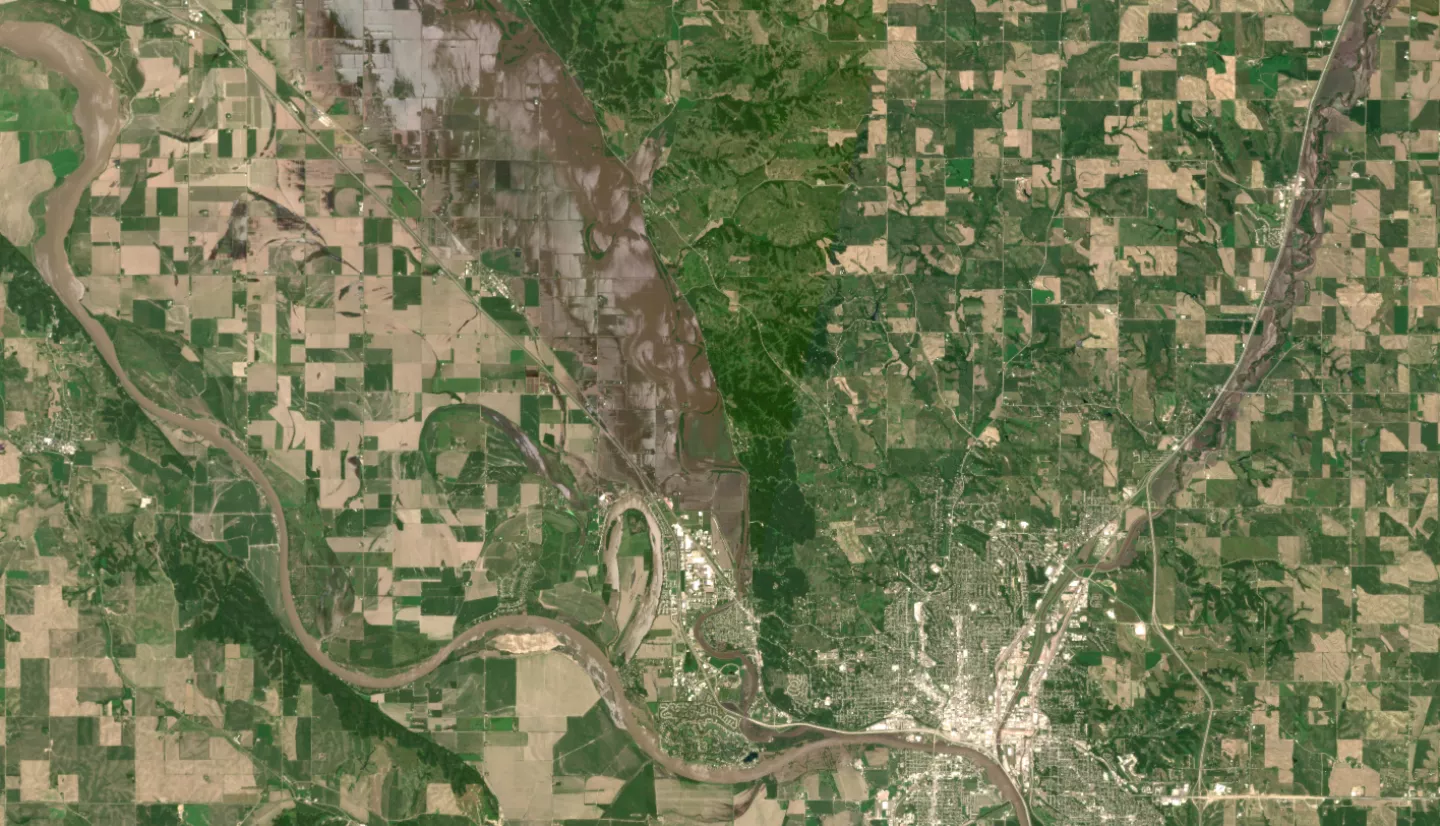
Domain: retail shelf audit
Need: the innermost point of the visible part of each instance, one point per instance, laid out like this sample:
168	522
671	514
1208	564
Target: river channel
98	115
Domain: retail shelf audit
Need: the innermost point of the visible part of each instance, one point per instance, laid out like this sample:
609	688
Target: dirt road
98	115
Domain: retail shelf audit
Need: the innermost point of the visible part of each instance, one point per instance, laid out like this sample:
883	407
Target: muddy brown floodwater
98	114
652	385
633	632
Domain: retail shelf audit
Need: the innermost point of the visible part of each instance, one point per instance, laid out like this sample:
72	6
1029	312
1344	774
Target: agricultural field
850	412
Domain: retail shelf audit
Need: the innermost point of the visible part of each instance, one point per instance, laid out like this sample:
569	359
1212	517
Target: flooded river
664	338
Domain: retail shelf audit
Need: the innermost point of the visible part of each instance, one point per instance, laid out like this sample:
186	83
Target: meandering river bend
98	115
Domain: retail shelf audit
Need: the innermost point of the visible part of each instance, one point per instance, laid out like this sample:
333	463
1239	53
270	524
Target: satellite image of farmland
720	412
